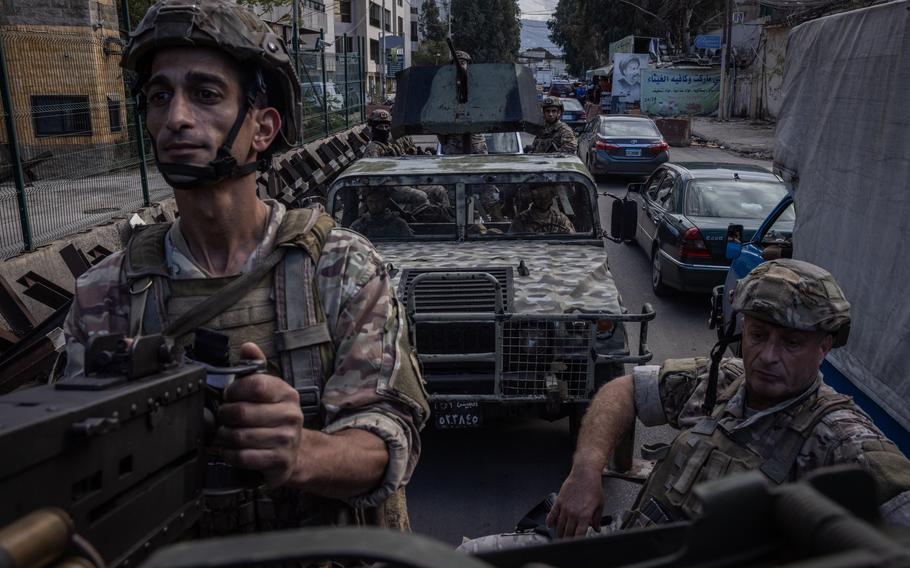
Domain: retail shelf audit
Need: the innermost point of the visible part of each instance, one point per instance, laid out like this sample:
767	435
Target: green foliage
137	9
431	53
489	30
584	29
429	24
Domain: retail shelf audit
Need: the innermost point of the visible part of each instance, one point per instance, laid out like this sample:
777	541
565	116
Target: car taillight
583	116
693	246
599	145
658	148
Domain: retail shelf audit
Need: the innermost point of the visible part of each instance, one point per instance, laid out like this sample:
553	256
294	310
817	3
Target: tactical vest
282	313
710	451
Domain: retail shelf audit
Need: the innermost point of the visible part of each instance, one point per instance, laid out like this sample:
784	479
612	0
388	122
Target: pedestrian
769	411
333	423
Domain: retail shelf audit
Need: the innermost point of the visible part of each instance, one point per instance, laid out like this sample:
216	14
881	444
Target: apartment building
384	28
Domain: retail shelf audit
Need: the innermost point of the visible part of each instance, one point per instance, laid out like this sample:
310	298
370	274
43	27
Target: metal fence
70	151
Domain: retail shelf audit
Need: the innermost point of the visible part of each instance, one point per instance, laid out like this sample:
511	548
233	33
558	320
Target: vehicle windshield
734	198
640	128
571	105
501	210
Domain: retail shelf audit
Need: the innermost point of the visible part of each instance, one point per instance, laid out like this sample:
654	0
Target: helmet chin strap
224	166
717	353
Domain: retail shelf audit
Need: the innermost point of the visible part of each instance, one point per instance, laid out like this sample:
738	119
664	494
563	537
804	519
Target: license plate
567	117
633	152
457	414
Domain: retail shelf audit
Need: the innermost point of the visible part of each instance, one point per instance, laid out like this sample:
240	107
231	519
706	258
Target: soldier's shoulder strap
144	262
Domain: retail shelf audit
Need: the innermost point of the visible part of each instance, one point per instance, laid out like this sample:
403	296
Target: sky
537	9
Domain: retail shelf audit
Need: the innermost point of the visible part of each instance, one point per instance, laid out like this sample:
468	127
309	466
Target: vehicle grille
532	351
456	295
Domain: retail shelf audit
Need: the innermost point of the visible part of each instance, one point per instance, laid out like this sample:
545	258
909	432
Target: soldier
379	221
557	136
769	411
540	216
381	144
333	424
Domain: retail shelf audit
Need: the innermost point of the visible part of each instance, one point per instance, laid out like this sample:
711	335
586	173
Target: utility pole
382	50
726	49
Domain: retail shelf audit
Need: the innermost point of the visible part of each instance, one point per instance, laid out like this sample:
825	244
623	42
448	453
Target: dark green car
682	214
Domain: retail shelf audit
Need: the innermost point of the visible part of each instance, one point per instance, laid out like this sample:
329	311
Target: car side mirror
623	220
635	187
734	241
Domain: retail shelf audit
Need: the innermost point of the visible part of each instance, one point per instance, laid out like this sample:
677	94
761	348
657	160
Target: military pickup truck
513	305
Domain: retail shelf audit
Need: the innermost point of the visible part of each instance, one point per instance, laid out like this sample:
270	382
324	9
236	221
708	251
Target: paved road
471	483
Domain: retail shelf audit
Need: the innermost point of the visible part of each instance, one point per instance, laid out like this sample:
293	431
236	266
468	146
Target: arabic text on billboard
675	92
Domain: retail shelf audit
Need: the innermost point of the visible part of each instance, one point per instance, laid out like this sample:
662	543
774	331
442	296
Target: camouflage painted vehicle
514	309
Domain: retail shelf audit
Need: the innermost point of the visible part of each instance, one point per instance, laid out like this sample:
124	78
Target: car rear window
737	199
628	128
571	104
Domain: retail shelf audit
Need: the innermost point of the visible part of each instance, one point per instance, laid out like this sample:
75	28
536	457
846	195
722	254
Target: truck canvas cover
846	85
502	97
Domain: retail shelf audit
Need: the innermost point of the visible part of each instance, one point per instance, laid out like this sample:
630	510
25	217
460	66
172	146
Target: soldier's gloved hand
579	504
261	423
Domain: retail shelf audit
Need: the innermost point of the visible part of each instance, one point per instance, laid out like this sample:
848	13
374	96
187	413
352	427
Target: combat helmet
379	116
789	293
795	294
549	102
223	25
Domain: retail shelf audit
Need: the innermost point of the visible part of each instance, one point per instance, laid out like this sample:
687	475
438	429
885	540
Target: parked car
497	143
573	114
622	144
561	89
682	214
318	95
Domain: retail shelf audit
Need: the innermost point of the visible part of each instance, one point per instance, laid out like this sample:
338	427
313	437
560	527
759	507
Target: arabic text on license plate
566	117
457	414
633	151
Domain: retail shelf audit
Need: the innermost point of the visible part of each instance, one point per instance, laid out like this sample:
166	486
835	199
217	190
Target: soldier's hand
579	504
261	423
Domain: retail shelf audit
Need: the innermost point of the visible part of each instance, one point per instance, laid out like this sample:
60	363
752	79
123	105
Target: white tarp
843	140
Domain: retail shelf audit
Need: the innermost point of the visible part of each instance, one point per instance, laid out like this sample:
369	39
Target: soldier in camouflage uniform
219	94
379	221
556	136
541	216
769	411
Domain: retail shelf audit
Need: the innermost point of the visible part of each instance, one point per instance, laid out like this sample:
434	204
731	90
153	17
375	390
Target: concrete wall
771	71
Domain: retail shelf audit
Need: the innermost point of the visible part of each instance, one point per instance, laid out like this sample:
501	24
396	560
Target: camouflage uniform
532	220
360	312
811	430
386	225
452	145
556	137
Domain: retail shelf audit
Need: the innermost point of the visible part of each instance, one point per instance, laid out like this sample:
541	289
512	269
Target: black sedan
622	144
573	114
683	212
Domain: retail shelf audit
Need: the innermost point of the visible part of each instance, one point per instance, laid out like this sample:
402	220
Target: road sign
707	42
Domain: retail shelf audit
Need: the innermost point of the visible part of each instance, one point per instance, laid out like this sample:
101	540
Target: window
653	184
400	25
665	194
113	114
399	2
375	14
61	115
413	30
388	21
346	17
344	44
374	50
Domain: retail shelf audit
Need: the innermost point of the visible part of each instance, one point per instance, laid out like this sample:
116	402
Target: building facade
383	28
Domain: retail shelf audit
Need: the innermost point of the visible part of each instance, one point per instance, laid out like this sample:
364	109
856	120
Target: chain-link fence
70	155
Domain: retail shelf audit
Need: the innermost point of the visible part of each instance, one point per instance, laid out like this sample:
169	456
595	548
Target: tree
431	53
429	24
584	29
489	30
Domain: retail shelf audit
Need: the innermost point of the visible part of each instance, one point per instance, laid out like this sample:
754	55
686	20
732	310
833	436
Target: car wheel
657	277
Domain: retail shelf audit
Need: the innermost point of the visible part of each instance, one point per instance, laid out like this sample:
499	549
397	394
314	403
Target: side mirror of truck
635	187
623	219
734	241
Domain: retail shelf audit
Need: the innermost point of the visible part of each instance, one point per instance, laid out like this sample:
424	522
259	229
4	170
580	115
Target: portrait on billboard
627	75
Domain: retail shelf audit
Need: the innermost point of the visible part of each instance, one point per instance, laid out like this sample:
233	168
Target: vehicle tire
657	278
